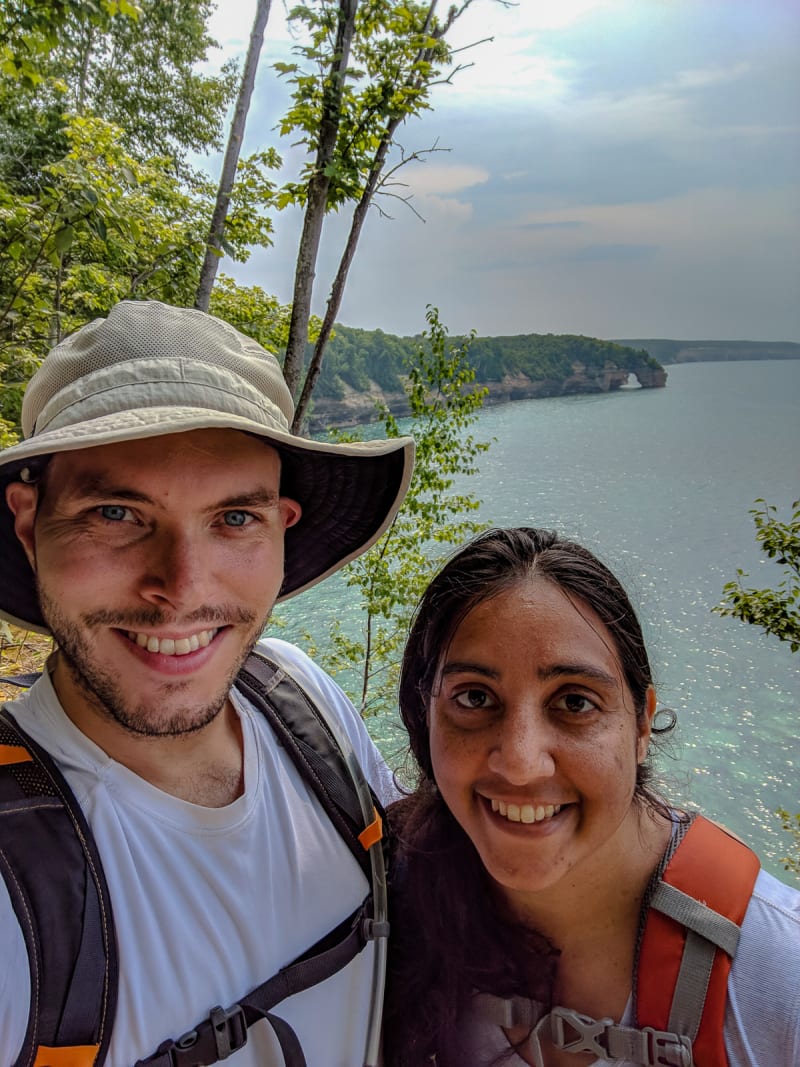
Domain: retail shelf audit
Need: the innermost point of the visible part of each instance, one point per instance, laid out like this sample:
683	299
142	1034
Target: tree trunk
339	282
359	218
208	271
317	199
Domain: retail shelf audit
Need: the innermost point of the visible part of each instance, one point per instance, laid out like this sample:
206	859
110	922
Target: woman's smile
534	736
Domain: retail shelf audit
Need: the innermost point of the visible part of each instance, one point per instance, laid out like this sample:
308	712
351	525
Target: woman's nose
525	749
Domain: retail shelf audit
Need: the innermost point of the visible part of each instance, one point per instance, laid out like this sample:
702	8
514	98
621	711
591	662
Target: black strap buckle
229	1027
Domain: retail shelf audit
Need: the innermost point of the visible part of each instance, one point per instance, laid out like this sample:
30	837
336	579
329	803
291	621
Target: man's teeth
525	812
168	646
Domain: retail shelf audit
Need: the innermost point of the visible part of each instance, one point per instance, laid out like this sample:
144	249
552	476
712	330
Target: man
155	512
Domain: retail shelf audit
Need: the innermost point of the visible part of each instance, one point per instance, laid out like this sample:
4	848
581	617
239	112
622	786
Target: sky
615	168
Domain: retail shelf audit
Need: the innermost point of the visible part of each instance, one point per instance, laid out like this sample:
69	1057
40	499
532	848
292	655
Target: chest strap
225	1029
691	931
570	1031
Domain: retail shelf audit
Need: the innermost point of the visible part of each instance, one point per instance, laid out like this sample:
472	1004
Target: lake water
659	483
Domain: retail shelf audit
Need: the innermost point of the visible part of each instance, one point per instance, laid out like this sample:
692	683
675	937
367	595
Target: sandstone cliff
357	408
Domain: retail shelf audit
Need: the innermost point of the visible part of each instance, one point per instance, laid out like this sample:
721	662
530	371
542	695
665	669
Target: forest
357	357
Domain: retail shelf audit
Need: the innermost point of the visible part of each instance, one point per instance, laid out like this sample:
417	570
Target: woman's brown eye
472	698
577	703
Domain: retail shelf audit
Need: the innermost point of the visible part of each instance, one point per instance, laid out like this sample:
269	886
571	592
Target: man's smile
170	646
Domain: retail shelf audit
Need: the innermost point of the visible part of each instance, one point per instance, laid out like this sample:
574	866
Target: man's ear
290	510
22	500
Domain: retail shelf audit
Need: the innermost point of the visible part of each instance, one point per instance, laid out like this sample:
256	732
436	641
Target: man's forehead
207	444
183	463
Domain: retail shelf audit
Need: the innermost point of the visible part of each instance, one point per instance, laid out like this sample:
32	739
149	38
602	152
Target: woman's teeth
169	646
525	812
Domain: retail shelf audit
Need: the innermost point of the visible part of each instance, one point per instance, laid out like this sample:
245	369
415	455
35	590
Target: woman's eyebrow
587	670
460	667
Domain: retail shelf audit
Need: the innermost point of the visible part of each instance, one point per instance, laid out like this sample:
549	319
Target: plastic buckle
229	1027
588	1030
667	1050
372	929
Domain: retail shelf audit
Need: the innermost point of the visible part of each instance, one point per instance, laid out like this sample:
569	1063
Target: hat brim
349	494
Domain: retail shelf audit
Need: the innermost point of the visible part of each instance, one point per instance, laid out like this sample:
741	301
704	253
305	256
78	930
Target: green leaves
436	514
791	824
102	226
775	610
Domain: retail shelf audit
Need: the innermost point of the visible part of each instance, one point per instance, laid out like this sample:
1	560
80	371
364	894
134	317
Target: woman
529	859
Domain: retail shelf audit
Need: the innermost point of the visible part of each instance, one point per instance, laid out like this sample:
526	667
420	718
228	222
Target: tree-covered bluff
362	366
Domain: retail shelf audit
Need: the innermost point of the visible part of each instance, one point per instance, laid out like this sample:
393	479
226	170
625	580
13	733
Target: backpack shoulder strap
306	735
690	937
51	868
302	729
53	873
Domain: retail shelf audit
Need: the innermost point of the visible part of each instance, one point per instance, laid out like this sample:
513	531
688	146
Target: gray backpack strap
706	930
571	1031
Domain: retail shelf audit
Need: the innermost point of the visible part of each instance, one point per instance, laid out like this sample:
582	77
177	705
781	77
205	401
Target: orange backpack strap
690	937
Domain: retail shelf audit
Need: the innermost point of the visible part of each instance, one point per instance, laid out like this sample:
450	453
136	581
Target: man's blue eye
236	518
113	512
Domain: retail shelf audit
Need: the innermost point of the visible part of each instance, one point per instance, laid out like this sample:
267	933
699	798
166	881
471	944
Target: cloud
619	168
437	179
561	224
619	253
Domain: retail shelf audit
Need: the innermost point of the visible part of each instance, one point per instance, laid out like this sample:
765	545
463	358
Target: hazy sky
618	168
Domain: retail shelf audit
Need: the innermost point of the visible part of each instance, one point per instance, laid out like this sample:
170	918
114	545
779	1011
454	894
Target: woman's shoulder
762	1021
771	893
771	925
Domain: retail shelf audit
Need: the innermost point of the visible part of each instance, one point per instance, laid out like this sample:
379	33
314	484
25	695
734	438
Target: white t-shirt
210	902
762	1017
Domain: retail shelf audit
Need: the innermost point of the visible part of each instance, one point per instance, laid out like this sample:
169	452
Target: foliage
357	357
386	52
30	28
254	312
136	65
106	226
775	610
368	66
391	577
791	823
544	356
21	652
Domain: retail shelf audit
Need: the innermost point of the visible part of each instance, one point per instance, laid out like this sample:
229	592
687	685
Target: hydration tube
379	889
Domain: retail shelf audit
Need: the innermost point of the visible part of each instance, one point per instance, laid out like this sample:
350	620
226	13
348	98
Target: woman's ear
22	499
646	724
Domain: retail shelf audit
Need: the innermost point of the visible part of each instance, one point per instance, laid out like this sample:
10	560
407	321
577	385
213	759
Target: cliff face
355	408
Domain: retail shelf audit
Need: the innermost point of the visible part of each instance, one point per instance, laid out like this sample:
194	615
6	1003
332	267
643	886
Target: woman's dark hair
449	934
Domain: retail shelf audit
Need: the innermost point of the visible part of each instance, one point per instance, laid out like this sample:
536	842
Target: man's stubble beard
102	690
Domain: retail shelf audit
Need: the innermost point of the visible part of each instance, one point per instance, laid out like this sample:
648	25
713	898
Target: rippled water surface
659	483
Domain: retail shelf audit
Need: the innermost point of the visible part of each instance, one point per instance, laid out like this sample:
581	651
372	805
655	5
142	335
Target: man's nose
175	570
525	749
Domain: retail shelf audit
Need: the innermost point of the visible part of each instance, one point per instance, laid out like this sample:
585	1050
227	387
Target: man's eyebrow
263	498
98	486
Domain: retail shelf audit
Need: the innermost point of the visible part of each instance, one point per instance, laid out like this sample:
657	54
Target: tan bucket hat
150	369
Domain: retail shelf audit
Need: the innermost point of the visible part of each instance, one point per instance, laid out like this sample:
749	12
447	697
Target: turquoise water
659	483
